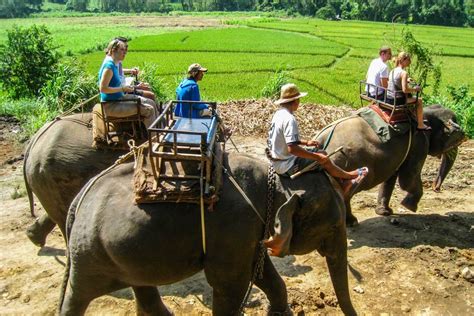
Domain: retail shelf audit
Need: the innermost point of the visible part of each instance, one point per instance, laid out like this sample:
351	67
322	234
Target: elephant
61	148
401	157
114	243
59	161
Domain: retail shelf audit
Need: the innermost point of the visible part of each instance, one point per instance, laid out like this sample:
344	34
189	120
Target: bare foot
350	186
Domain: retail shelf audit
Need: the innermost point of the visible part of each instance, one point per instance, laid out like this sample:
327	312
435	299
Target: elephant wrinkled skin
114	243
402	157
58	163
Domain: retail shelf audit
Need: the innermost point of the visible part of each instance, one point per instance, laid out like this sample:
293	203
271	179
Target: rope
333	125
119	161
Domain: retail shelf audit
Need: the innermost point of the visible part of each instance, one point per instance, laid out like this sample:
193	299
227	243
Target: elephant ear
279	243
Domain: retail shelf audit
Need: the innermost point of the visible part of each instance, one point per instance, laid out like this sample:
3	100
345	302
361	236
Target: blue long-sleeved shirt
188	90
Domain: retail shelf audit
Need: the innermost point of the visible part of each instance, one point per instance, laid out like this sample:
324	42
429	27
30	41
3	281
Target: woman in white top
399	92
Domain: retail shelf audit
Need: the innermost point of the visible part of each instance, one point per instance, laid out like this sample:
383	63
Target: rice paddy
326	58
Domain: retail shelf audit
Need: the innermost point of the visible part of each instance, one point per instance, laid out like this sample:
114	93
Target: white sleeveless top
394	89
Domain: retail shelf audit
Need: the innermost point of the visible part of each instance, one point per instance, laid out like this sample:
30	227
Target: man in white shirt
377	75
288	157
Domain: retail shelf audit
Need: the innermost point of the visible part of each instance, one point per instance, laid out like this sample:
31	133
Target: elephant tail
29	192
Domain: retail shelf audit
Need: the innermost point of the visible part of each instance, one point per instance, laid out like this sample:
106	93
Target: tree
77	5
26	60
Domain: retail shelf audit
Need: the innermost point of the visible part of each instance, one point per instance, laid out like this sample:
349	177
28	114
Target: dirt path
405	264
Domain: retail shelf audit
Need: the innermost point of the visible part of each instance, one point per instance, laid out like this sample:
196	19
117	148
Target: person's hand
127	89
143	85
313	143
417	88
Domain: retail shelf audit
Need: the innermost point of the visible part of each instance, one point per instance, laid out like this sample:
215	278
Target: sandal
423	129
355	183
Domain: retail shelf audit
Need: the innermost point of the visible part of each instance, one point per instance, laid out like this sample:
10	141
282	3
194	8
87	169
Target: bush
68	86
273	86
423	66
326	13
462	103
26	60
150	74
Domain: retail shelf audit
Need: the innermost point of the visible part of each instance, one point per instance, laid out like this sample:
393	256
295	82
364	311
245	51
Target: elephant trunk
447	162
337	265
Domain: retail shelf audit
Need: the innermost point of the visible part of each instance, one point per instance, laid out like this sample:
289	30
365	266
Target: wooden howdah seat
122	120
182	153
391	113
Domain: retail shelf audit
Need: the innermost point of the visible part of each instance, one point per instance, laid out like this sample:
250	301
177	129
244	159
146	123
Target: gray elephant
114	243
402	157
58	162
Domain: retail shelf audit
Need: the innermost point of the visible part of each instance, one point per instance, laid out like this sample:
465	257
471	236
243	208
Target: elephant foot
35	236
409	204
383	210
351	220
286	312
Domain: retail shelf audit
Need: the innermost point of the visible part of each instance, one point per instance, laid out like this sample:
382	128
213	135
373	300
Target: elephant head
444	140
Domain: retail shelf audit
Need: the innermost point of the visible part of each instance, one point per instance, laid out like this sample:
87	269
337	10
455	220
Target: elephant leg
73	304
227	298
149	301
274	288
336	259
351	220
229	285
414	193
39	230
383	198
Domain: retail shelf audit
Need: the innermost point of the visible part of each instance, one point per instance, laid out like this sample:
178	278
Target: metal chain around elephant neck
261	249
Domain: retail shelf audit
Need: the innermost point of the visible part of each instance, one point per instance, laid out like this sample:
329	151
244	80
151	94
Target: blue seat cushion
198	125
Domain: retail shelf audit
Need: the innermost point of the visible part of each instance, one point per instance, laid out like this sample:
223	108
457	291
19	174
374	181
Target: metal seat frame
364	87
135	120
161	150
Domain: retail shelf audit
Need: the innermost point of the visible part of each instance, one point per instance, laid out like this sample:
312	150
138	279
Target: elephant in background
401	157
114	243
59	161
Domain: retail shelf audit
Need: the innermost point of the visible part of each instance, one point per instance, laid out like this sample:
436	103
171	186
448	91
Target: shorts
379	97
397	101
301	163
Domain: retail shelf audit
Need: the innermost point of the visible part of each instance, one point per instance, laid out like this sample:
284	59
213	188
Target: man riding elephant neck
188	90
288	157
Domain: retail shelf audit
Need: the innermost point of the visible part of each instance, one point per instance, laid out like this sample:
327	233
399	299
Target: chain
261	250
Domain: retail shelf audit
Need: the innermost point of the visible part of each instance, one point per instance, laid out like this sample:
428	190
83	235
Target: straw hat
289	92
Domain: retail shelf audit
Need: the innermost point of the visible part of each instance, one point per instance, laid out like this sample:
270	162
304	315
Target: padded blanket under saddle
384	131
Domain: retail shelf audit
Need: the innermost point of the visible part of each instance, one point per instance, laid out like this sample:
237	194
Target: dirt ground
405	264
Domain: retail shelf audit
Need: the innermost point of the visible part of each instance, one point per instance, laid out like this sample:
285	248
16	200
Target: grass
326	58
238	40
176	63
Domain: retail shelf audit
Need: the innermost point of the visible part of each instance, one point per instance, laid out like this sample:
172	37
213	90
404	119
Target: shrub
462	103
326	13
423	66
150	74
26	60
273	85
68	86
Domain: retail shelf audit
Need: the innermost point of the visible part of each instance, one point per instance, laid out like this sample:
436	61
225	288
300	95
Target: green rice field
326	58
